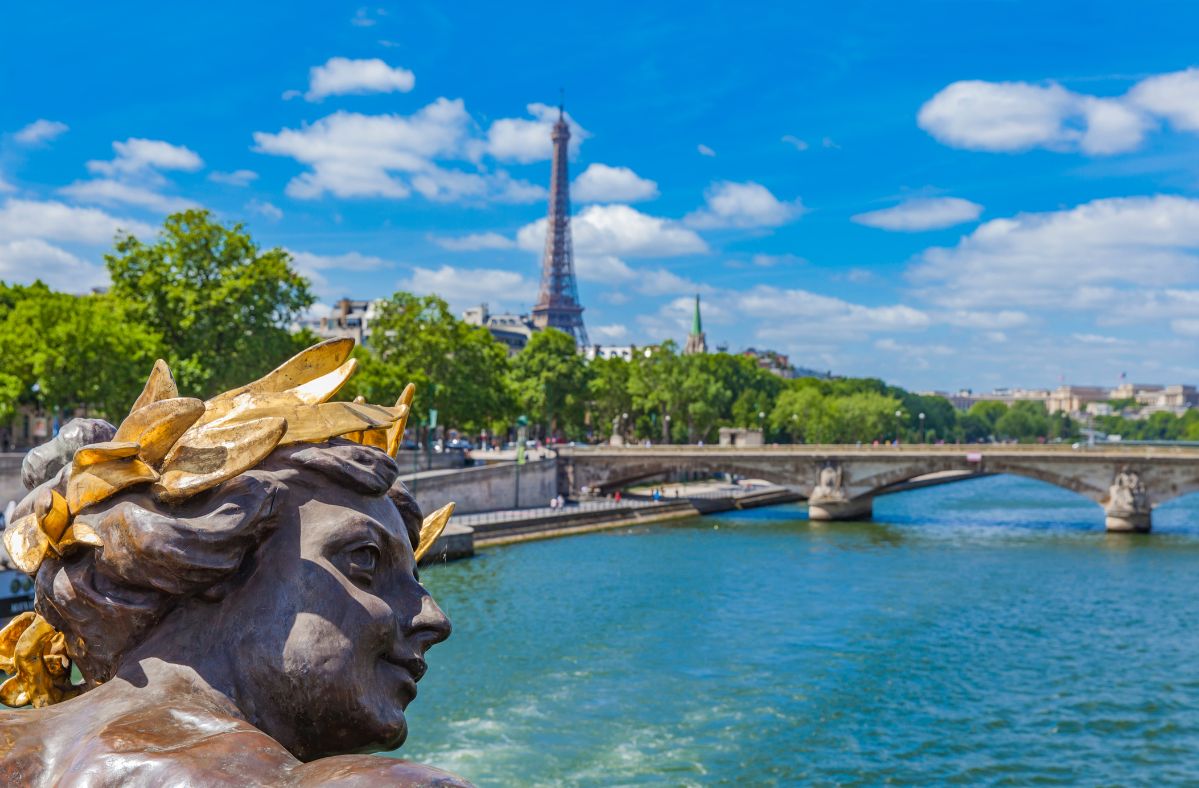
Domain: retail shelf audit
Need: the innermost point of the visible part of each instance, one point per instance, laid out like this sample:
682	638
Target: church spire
558	300
696	342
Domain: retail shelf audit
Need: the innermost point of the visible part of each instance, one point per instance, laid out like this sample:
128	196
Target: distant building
592	352
511	329
696	342
772	361
1074	399
348	318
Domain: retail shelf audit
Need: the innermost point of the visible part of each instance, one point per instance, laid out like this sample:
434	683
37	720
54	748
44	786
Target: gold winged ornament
182	446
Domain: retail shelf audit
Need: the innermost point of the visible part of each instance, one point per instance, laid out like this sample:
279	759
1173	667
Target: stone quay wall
486	488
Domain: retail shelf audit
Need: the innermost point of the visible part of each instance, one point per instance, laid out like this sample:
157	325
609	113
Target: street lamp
921	417
666	427
898	416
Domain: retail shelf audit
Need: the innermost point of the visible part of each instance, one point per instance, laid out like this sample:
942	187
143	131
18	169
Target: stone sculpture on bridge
235	580
1128	508
828	499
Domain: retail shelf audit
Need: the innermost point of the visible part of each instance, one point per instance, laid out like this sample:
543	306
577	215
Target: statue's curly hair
155	555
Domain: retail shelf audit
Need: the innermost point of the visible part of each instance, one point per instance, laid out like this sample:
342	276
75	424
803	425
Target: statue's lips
411	670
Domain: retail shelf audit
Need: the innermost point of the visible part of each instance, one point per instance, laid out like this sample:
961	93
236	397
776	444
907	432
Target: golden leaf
77	534
53	514
96	453
431	528
94	483
161	385
315	423
306	365
26	543
204	458
156	427
9	637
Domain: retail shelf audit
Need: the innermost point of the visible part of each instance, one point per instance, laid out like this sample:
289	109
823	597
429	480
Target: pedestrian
617	496
561	501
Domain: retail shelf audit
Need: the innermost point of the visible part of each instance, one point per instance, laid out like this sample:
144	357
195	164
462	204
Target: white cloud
1017	116
41	130
930	213
1187	327
463	287
5	186
610	333
601	183
1099	339
137	156
235	178
742	205
362	17
28	259
786	314
475	242
340	76
267	209
349	261
795	142
704	150
1004	318
619	230
1172	96
1114	257
355	155
772	260
107	191
523	140
55	221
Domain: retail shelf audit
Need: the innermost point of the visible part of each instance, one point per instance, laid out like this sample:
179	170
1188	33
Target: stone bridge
840	482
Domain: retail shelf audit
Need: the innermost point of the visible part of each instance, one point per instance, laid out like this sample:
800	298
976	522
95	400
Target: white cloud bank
340	76
742	205
464	287
930	213
136	156
619	230
527	140
601	183
393	156
1017	116
1121	259
474	242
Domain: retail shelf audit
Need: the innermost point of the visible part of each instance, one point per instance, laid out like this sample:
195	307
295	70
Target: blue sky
941	194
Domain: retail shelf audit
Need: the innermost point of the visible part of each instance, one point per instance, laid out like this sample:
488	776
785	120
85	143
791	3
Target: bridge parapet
840	482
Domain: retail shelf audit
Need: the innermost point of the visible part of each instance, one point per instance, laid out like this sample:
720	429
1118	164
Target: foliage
62	352
551	381
220	305
459	369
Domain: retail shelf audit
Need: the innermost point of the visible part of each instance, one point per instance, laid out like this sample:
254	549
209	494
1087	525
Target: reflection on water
982	632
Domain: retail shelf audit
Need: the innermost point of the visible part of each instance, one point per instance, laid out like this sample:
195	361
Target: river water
987	632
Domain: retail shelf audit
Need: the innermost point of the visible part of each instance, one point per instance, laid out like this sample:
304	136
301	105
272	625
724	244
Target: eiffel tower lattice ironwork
558	301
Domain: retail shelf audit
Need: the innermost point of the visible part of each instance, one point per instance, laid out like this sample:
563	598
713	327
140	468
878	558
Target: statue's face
335	625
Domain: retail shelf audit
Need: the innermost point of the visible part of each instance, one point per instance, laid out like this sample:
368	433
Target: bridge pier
841	509
1128	508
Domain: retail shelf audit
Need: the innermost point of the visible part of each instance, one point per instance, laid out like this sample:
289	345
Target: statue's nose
430	626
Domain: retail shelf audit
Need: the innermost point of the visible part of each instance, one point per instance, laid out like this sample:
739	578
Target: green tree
655	388
864	416
1024	420
458	369
802	413
61	352
221	305
609	392
551	381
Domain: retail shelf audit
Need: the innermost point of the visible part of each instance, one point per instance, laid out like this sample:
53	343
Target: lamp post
898	416
624	427
666	428
762	425
921	417
794	426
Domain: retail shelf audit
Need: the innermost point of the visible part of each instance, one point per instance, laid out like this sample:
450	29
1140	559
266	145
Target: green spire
697	325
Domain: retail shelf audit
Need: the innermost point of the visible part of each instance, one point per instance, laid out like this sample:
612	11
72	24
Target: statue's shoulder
135	747
371	770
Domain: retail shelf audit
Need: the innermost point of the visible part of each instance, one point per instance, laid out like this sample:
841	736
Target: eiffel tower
558	301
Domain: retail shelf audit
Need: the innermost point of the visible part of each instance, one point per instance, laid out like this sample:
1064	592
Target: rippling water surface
981	632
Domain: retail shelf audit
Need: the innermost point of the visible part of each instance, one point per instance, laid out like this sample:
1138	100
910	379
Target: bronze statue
236	582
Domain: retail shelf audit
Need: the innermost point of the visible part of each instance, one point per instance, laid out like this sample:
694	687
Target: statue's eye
362	563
